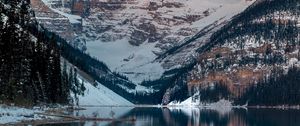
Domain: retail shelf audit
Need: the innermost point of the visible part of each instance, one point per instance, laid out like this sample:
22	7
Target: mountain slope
260	43
95	93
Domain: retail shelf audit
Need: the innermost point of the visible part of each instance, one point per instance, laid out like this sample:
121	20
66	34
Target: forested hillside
279	89
252	55
29	65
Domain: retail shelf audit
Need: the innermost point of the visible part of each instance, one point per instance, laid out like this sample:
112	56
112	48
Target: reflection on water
189	117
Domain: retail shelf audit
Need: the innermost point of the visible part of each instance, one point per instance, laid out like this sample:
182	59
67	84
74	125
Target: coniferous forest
29	65
274	23
279	89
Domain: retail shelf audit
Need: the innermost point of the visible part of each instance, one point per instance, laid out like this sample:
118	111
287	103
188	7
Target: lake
150	116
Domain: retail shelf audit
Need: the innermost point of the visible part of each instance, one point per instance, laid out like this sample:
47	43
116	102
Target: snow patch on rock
222	106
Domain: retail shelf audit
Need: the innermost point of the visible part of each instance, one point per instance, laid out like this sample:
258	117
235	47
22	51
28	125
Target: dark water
189	117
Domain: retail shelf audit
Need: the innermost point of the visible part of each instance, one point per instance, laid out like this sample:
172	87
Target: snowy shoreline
11	115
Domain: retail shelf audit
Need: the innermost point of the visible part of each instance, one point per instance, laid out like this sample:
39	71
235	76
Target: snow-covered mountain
133	37
169	50
217	47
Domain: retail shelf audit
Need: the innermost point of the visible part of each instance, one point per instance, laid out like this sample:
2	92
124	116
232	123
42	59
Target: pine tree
65	83
82	87
75	87
2	53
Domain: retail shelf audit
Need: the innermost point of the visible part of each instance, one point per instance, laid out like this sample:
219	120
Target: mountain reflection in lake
189	117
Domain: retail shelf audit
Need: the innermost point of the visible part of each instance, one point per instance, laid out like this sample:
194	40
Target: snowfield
133	61
100	96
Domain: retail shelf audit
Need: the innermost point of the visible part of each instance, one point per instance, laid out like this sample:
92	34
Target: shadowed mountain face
257	46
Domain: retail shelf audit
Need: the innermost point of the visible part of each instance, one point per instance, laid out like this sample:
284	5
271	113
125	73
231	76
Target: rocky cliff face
52	20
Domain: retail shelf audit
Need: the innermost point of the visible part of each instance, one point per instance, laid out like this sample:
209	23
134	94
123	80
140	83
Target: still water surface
188	117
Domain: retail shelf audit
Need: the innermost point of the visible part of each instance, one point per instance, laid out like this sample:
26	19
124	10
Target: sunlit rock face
135	31
137	21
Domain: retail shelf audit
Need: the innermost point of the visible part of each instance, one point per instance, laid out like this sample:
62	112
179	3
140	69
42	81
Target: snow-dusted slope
95	94
129	35
100	96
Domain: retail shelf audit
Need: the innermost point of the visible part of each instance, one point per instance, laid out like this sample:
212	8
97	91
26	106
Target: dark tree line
278	89
30	70
215	93
73	85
